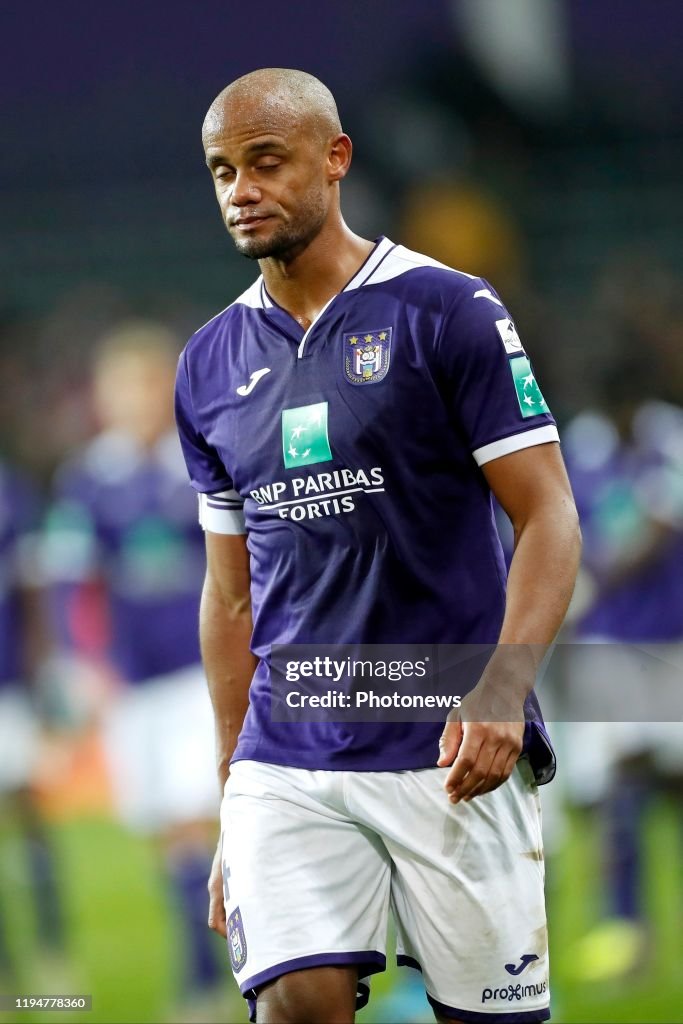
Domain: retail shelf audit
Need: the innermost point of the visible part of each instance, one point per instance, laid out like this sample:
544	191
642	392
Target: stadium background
536	142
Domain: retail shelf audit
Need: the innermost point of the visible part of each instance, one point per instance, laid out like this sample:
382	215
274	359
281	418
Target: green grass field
123	941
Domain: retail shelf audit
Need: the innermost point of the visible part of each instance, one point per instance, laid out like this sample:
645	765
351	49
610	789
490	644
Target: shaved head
281	95
276	152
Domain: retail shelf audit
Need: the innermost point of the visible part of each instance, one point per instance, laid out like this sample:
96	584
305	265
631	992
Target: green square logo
531	401
304	435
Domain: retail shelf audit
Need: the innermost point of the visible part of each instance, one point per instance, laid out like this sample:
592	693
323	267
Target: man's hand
216	905
483	755
485	739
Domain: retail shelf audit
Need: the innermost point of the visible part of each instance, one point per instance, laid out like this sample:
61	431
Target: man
342	504
627	473
125	566
23	645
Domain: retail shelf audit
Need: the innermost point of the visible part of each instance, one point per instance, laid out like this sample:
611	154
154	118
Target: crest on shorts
366	355
237	943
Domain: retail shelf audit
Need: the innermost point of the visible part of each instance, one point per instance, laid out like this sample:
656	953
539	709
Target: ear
339	157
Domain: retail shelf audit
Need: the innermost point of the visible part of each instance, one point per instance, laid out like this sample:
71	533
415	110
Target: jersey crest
367	355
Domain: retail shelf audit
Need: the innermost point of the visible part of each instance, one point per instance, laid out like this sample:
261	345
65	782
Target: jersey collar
375	257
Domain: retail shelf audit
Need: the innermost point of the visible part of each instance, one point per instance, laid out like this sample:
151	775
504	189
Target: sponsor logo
246	389
514	993
318	495
531	401
304	435
366	356
527	959
509	336
237	943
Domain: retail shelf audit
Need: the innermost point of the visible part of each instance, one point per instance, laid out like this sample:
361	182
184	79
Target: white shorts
19	738
159	740
313	861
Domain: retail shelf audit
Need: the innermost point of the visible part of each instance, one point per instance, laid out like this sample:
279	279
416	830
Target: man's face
133	393
270	180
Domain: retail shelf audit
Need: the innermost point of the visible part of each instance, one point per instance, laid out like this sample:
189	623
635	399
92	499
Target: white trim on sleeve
515	443
218	515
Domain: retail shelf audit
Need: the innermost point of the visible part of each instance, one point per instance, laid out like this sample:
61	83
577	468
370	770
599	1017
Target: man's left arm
532	487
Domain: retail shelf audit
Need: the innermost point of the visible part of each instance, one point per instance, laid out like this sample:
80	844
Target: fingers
486	759
216	920
494	776
465	763
510	764
449	744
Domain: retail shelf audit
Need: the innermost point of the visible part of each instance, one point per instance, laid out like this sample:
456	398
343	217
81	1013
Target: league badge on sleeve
508	335
366	356
237	943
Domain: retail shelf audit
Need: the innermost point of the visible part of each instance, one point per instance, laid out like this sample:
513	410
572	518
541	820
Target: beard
287	241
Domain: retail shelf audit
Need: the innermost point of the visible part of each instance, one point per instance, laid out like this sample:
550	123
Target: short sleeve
221	508
488	377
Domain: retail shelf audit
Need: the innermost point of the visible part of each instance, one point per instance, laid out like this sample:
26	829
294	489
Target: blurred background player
22	646
125	559
626	468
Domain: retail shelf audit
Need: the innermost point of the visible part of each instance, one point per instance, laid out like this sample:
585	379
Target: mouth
248	223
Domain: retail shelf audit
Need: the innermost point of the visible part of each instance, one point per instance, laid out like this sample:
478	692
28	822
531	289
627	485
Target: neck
304	285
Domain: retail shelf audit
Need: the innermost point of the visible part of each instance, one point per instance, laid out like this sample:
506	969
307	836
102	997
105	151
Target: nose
244	191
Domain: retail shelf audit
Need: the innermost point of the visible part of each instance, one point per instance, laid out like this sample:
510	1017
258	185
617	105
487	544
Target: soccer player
345	421
627	475
23	647
124	526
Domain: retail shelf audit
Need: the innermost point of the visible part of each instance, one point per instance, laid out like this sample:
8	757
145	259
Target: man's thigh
305	886
467	891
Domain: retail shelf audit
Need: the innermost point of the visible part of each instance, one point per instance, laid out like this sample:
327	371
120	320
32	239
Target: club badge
366	356
237	943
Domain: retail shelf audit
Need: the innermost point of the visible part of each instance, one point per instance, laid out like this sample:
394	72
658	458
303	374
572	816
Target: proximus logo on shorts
514	993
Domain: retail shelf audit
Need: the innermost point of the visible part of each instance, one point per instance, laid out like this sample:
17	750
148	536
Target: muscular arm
532	487
225	631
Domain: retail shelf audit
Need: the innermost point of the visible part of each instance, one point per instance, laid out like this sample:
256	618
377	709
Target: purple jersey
350	455
125	515
18	508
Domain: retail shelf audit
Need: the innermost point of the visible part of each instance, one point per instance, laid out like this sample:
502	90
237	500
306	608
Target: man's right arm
225	631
